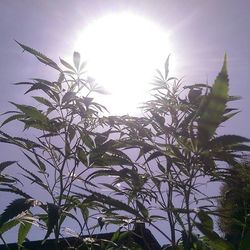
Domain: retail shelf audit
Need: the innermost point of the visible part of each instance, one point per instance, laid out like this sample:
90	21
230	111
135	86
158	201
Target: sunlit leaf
22	232
76	59
8	225
214	108
167	67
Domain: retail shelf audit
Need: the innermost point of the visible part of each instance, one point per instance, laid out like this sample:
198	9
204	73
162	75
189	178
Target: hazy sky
201	32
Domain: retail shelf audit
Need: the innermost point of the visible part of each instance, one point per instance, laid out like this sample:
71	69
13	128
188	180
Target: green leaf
43	101
214	107
206	221
12	118
221	244
22	232
8	225
31	112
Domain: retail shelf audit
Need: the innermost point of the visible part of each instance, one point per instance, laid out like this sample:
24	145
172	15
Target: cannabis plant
68	133
178	150
121	171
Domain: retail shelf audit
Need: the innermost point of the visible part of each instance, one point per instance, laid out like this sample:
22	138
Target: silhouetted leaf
12	189
227	140
13	118
116	204
5	164
142	209
205	220
154	155
68	96
53	216
42	58
15	208
43	100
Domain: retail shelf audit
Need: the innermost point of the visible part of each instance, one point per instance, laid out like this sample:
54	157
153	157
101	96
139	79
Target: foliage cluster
234	206
114	172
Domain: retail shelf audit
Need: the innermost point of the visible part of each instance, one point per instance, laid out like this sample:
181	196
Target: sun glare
122	52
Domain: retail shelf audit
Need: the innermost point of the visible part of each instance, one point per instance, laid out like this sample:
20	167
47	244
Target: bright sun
122	52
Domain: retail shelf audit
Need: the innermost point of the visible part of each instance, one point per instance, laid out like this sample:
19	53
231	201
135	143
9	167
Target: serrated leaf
44	59
31	112
13	118
8	225
43	100
31	160
33	177
5	164
12	189
116	204
227	140
38	86
154	155
15	208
